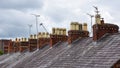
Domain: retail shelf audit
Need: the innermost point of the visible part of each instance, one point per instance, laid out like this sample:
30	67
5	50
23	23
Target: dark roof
83	53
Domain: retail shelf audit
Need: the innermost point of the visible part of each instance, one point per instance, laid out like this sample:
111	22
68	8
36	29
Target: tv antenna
96	9
91	16
41	24
36	16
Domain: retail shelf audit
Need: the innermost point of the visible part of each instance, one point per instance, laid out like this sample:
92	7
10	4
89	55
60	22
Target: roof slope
88	55
83	53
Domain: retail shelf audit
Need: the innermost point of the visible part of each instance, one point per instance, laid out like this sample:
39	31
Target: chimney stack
77	31
60	35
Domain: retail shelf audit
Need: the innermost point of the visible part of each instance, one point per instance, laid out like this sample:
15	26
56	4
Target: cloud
110	11
16	14
20	4
62	10
14	23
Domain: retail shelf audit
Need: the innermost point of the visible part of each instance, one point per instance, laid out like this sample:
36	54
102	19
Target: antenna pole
91	16
29	31
96	8
36	16
29	28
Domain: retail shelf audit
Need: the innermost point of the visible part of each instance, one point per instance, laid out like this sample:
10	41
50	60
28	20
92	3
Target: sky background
15	15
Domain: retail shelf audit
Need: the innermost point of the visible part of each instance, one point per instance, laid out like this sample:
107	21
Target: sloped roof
86	54
83	53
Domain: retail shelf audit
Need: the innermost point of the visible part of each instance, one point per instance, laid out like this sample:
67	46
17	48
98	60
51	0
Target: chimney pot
53	30
85	27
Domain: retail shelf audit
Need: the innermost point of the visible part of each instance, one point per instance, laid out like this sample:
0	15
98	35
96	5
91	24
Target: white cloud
15	14
20	4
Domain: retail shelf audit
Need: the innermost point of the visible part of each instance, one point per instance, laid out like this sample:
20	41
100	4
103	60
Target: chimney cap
53	28
80	23
39	33
64	28
31	35
57	28
76	23
85	24
72	23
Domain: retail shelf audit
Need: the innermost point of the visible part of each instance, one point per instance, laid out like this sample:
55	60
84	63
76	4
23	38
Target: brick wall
15	46
75	34
24	46
100	30
32	44
43	42
10	47
56	38
6	44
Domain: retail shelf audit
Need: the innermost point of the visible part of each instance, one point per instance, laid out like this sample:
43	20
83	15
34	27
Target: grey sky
16	14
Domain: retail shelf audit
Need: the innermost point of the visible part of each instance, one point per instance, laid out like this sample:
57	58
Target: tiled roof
84	53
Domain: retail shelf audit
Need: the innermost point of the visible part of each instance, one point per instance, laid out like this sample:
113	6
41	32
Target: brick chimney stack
101	28
58	34
44	39
32	43
24	45
77	31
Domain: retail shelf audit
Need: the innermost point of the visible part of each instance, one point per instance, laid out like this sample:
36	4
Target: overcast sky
15	15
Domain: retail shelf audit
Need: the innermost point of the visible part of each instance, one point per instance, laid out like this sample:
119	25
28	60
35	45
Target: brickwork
100	30
10	47
58	34
5	45
32	44
75	34
43	42
15	46
56	38
23	46
77	30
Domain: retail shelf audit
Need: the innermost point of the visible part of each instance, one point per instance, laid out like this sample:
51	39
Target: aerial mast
36	16
97	16
91	16
41	24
